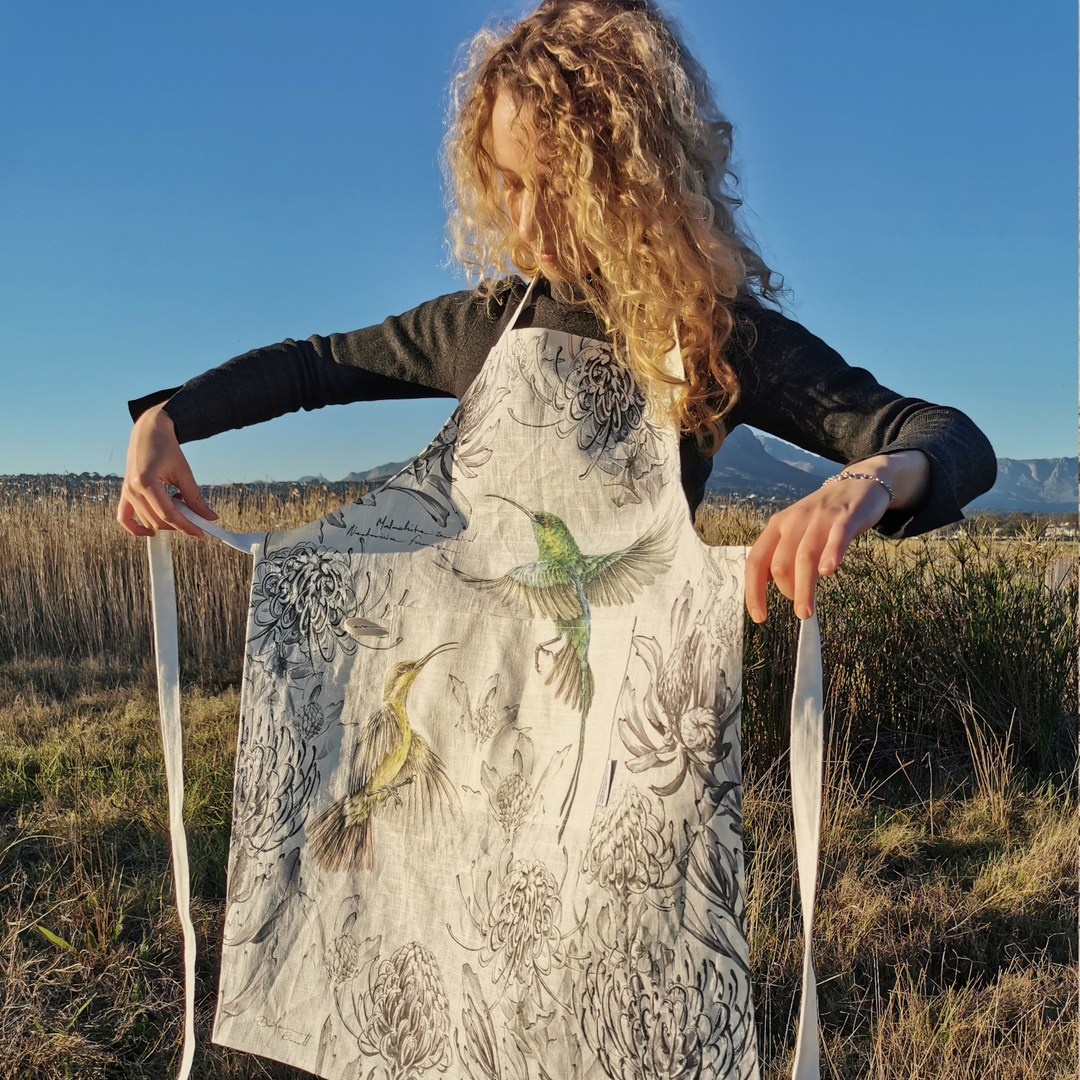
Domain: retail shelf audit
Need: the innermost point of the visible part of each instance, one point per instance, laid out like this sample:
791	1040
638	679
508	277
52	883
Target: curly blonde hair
629	139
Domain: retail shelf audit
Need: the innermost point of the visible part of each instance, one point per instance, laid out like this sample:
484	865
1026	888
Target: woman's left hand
808	539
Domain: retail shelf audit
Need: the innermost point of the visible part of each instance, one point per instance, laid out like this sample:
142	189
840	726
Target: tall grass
74	585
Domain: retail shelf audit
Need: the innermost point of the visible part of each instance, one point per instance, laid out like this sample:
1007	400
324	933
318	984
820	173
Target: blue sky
180	183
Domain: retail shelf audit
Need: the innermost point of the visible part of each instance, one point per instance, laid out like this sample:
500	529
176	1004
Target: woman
536	937
585	148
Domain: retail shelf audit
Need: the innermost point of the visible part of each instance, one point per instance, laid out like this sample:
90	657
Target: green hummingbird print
564	584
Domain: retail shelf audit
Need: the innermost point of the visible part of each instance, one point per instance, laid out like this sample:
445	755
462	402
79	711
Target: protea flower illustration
521	939
644	1027
346	956
512	795
342	960
408	1015
312	717
628	852
486	717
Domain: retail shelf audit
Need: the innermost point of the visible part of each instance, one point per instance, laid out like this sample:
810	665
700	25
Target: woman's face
509	141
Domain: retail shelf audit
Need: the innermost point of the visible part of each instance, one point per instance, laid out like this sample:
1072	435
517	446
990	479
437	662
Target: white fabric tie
167	655
807	756
166	651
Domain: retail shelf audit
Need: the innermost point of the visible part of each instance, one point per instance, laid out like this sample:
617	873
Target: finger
145	513
145	510
125	514
164	510
190	491
782	567
807	560
756	572
843	532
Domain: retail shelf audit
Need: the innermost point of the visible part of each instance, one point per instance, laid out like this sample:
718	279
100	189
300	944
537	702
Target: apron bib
487	804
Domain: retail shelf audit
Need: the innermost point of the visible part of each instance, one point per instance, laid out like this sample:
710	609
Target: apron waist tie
167	655
806	760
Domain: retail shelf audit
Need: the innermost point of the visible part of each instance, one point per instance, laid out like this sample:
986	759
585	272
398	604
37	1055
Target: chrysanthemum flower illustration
302	596
408	1015
628	852
659	1028
521	931
602	399
680	722
599	405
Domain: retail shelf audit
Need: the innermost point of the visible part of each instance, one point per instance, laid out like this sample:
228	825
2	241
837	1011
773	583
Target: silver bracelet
845	475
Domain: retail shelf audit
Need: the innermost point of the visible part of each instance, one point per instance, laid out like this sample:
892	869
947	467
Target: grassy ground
946	940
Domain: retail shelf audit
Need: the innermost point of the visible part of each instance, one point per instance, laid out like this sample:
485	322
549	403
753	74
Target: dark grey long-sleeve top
792	385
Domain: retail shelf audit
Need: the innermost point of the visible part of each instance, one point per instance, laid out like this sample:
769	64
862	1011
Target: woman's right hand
154	459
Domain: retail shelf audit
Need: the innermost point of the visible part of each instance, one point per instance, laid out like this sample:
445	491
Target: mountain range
1046	484
747	464
758	466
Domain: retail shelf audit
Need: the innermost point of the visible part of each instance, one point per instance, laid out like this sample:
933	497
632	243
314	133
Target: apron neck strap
673	362
524	300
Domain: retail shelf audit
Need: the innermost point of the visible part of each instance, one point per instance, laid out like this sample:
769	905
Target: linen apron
487	805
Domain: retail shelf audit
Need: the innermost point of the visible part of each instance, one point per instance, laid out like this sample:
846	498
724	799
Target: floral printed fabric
487	812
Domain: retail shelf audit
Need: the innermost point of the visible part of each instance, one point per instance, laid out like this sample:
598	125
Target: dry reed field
946	932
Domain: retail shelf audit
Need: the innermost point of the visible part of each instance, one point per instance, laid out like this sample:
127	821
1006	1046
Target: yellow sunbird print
391	761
